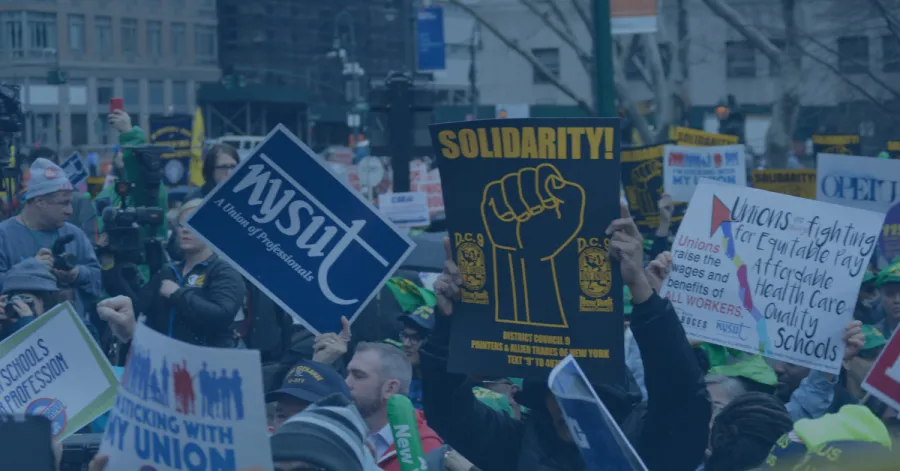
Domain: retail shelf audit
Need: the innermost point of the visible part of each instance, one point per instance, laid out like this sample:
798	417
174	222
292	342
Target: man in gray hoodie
31	234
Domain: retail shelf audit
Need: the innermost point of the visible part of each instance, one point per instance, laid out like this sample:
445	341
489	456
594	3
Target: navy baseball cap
310	381
422	317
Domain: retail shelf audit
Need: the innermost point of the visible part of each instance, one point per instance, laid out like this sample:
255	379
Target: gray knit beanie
46	177
329	434
29	275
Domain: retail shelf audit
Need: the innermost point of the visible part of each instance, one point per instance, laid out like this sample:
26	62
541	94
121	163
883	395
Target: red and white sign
883	380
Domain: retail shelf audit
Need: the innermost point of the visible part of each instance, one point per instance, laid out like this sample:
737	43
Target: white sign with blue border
302	236
75	170
602	444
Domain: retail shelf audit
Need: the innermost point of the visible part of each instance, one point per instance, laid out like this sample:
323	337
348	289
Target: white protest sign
76	171
405	209
858	182
53	367
184	407
769	273
685	166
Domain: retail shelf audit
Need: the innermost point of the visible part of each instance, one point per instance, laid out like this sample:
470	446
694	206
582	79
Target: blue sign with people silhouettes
306	239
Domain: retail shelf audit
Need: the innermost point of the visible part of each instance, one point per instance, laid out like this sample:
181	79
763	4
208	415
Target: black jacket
202	311
670	431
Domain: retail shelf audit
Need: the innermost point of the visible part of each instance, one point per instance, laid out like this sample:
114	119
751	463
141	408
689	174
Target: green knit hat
891	274
874	337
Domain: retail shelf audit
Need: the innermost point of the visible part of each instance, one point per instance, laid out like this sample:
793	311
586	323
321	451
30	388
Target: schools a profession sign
302	236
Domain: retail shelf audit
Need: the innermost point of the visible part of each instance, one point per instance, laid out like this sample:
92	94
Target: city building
844	42
71	56
283	63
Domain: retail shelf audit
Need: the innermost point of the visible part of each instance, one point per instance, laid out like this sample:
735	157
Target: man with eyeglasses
32	234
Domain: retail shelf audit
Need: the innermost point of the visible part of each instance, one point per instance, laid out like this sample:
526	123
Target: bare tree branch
585	17
626	102
528	56
587	61
563	19
868	70
660	84
892	23
735	20
629	56
859	88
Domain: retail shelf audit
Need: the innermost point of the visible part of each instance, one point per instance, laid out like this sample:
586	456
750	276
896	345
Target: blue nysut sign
305	238
430	39
597	435
75	170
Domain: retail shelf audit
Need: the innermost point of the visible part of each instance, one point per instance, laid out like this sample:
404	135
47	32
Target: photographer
83	215
41	226
29	289
127	168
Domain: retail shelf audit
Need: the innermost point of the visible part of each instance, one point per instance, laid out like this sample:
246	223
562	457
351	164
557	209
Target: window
131	91
41	33
154	38
12	41
740	59
129	37
103	37
205	42
633	72
549	58
179	93
76	33
853	54
156	93
890	53
105	91
178	40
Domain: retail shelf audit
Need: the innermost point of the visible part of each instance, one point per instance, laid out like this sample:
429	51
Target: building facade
847	48
151	53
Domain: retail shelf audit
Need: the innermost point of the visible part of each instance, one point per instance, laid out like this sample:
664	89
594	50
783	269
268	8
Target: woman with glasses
29	289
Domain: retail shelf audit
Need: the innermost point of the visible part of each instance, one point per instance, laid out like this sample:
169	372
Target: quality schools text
274	202
529	143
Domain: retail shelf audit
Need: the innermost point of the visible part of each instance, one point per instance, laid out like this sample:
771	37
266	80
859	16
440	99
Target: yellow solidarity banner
695	137
528	202
794	182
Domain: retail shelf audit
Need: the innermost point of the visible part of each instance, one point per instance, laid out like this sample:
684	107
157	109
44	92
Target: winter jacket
202	311
670	431
430	441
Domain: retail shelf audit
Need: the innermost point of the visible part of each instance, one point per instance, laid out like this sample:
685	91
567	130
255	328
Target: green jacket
135	137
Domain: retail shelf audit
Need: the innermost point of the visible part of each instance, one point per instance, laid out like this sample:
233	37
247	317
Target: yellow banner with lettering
695	137
794	182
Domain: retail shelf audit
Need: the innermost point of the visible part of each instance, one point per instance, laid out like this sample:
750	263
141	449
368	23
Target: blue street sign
430	39
303	237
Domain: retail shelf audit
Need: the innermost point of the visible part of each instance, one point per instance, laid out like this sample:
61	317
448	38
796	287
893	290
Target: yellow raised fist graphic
530	216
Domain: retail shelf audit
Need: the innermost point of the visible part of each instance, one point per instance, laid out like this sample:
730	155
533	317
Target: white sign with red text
769	273
883	380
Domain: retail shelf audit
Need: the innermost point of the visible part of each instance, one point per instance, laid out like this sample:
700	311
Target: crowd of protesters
686	405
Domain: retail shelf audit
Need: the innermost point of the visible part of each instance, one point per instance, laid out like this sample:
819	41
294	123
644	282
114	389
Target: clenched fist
534	211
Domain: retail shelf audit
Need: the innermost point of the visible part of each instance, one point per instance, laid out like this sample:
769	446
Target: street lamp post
345	51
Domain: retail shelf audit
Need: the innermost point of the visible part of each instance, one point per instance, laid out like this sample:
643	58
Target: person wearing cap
868	309
31	234
857	368
853	439
416	327
29	289
84	216
329	435
506	388
888	284
306	383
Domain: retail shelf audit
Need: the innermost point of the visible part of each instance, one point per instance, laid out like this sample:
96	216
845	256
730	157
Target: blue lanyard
180	280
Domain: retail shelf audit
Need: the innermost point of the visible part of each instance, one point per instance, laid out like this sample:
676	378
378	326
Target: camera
9	302
63	260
